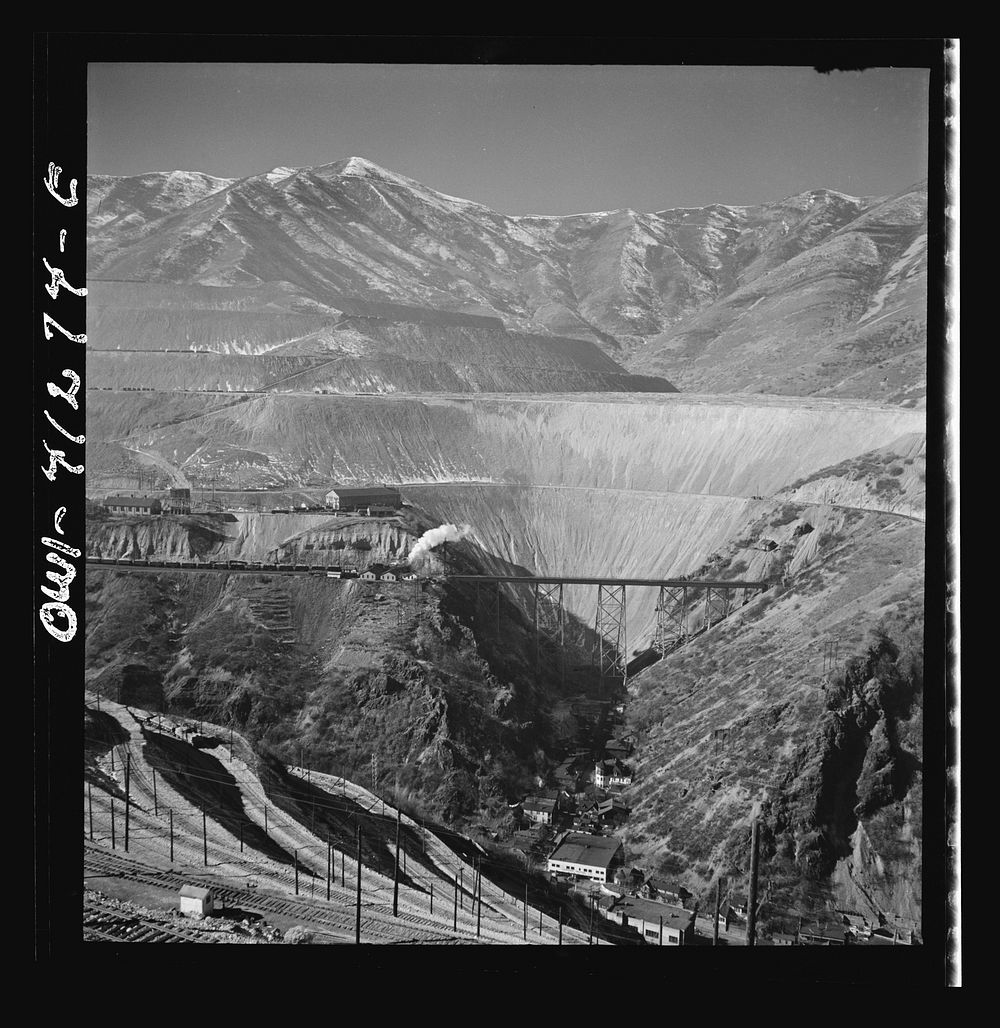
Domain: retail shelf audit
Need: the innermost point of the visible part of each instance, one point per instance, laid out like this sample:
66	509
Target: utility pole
241	837
395	873
454	915
112	824
329	861
718	905
525	913
461	889
204	836
296	872
560	924
128	775
661	929
156	810
357	922
171	835
343	879
90	812
265	819
432	898
539	920
479	894
752	911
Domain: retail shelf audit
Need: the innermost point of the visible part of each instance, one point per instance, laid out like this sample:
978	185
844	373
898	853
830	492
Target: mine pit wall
575	531
601	485
663	443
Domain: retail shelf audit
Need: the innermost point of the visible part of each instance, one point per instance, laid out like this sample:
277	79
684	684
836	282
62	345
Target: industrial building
178	501
586	856
147	505
658	923
355	498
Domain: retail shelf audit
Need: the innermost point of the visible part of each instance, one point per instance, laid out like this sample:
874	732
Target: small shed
196	900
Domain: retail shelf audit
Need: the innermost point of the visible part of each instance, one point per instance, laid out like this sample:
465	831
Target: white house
611	772
196	901
539	809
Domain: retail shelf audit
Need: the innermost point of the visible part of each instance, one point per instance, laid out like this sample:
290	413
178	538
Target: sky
525	139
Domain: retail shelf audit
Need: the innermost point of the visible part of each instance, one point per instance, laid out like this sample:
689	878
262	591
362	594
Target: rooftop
363	490
132	500
592	850
652	910
539	803
195	892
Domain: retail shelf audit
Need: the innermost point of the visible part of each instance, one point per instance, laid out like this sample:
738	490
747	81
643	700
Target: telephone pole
128	775
357	922
395	873
718	905
752	902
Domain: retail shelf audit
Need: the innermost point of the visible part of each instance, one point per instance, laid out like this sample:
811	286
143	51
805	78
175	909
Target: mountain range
815	294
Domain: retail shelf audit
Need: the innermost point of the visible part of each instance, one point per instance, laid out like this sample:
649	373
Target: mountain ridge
660	292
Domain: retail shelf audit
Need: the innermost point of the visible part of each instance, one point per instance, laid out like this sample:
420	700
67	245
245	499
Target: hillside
819	293
342	669
207	809
826	749
726	446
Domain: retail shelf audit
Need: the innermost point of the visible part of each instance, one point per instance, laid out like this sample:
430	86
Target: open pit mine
409	573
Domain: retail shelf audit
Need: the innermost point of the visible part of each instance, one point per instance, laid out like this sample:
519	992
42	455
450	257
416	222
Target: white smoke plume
434	537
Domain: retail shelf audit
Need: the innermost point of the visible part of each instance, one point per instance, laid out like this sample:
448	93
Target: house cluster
661	911
602	815
851	929
635	881
388	573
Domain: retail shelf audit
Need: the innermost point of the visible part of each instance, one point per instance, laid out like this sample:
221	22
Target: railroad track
119	926
376	921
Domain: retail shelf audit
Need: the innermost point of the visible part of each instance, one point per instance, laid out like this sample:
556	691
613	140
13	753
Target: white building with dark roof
658	923
586	856
145	505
